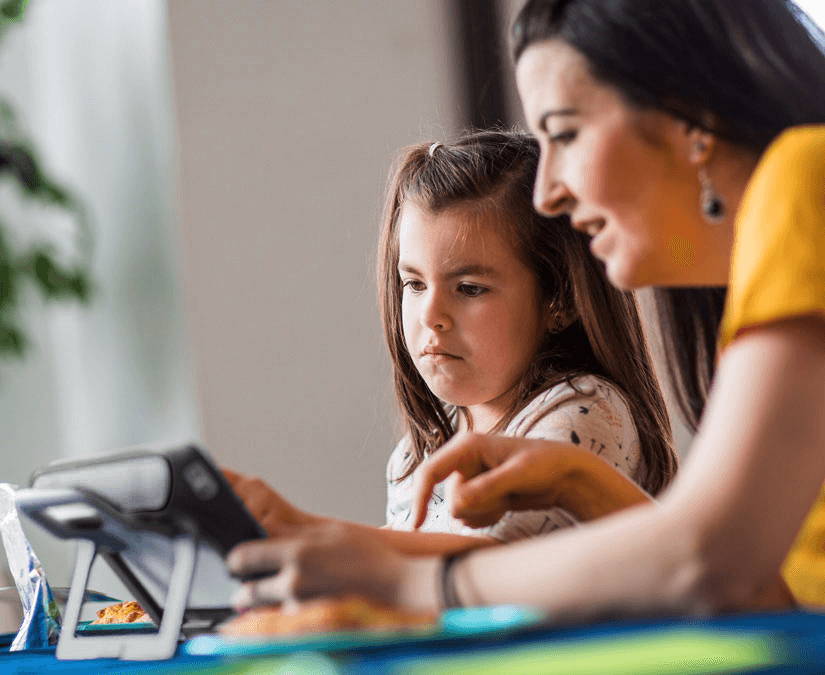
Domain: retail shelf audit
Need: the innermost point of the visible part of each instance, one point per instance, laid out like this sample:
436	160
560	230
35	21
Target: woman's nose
434	313
552	199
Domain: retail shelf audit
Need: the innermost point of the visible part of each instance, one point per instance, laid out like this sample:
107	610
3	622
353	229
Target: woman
672	132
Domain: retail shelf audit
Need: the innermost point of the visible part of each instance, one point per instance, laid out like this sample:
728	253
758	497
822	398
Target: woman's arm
715	542
721	533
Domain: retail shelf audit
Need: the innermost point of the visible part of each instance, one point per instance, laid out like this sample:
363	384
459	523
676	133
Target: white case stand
101	529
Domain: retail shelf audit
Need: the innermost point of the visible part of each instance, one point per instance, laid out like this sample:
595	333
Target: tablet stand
100	529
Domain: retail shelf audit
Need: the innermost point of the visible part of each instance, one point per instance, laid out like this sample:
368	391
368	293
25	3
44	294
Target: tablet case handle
99	528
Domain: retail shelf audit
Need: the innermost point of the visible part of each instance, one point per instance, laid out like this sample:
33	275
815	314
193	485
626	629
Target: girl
687	137
499	321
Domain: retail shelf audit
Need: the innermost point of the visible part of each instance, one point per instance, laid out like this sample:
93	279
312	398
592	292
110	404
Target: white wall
288	116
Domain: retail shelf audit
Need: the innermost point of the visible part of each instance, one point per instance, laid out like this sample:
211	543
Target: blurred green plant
34	263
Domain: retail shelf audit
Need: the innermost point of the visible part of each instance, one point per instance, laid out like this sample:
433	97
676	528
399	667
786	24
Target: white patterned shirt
595	417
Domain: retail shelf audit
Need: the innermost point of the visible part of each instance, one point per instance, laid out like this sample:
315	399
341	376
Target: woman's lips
590	227
597	246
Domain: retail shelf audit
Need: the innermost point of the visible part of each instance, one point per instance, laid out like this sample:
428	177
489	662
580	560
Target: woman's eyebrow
542	125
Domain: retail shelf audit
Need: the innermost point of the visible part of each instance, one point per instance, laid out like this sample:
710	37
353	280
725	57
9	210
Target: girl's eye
563	137
471	290
414	285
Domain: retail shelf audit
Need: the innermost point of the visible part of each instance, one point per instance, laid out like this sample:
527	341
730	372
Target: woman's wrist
419	584
574	471
591	488
446	584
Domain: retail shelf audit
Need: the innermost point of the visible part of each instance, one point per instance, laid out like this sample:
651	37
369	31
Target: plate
89	627
454	623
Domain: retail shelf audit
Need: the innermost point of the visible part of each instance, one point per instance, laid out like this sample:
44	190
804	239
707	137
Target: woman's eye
414	285
563	137
471	290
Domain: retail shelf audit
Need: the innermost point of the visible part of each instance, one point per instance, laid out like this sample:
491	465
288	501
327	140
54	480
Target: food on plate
326	615
123	612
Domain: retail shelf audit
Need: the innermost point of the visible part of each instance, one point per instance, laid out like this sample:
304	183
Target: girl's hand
495	474
331	559
268	507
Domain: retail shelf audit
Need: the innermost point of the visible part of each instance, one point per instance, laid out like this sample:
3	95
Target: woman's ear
701	144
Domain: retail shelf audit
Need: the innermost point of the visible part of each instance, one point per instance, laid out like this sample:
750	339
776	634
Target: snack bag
41	618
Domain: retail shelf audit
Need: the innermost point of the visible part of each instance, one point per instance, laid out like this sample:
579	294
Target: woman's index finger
459	454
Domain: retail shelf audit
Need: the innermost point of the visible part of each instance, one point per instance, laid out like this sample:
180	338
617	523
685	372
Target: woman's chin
625	276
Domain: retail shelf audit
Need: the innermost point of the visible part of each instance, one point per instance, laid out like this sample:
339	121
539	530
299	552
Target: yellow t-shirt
778	271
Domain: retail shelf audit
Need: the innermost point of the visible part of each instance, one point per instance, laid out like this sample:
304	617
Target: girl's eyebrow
471	270
542	125
404	267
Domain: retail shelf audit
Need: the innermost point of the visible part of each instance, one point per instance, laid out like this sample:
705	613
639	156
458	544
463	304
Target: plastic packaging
41	618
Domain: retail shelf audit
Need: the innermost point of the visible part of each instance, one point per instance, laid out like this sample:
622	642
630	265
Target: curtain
90	82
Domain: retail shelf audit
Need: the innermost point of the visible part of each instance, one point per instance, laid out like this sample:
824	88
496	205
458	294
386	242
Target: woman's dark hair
491	175
688	322
744	70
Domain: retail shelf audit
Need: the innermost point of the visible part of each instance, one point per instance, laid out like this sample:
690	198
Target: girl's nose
434	314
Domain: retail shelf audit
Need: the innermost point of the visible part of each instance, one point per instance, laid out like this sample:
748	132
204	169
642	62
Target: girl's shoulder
399	458
586	400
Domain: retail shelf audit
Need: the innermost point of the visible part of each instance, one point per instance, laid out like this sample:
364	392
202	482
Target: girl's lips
439	357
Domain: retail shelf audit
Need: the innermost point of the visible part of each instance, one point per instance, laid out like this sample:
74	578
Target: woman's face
625	176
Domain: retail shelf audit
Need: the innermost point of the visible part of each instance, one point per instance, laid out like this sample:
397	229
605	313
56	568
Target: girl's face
472	312
628	177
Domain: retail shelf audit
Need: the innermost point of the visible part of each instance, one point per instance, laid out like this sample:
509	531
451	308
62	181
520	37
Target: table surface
792	642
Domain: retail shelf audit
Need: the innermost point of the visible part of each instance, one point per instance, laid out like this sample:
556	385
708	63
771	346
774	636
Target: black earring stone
714	208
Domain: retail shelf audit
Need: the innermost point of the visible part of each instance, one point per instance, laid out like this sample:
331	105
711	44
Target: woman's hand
268	507
490	476
331	559
495	474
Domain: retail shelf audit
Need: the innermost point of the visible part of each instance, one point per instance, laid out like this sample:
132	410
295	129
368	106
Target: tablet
163	488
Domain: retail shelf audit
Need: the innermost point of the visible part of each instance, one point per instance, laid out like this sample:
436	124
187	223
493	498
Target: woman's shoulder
790	169
577	399
796	143
778	261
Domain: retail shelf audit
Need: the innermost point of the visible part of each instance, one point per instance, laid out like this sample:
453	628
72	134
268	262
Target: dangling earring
713	208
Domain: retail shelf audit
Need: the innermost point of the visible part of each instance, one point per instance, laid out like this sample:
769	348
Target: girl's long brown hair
492	172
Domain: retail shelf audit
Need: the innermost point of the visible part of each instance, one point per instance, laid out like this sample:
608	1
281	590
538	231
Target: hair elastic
433	148
449	595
